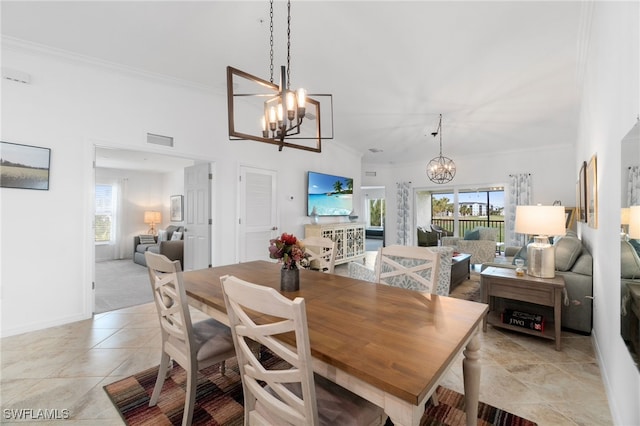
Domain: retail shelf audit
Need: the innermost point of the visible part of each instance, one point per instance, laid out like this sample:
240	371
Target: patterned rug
468	289
219	401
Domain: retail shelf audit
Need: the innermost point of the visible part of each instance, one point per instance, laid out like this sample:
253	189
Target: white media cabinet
349	238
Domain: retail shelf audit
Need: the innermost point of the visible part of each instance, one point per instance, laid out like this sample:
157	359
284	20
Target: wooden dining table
389	345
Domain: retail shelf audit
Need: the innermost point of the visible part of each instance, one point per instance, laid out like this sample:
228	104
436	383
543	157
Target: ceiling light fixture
282	110
440	169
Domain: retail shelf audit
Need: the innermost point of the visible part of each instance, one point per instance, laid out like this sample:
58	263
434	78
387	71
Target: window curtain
123	245
520	194
633	186
403	223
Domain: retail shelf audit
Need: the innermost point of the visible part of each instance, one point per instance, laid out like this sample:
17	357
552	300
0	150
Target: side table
504	283
460	270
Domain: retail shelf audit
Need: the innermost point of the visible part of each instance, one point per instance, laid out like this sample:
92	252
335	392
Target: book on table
523	319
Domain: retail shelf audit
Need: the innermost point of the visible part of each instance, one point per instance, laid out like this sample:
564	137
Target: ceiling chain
271	39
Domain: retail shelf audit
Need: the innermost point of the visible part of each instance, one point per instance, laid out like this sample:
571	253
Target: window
105	213
376	213
484	207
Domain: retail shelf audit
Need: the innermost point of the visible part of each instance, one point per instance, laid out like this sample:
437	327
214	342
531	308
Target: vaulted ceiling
502	74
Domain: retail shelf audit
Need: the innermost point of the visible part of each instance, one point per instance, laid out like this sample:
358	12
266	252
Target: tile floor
66	367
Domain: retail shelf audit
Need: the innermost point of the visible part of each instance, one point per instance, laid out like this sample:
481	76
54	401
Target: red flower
287	249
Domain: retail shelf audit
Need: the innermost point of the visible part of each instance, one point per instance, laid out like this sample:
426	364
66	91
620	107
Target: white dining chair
193	346
293	395
410	267
321	253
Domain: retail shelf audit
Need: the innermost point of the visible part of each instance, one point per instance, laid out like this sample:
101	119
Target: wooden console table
349	238
504	283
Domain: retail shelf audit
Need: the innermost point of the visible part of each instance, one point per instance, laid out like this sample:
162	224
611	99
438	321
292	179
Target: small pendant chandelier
441	169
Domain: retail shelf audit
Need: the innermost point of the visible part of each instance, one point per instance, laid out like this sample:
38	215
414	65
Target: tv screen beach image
329	195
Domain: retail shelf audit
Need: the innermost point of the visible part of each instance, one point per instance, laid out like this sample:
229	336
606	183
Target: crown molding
20	45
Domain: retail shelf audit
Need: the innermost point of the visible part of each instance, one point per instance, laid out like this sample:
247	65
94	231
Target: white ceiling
502	74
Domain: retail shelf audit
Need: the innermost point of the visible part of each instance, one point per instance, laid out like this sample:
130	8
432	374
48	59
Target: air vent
15	75
159	139
370	174
375	150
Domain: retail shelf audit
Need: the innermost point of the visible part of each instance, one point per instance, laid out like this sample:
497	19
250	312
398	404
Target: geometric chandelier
440	169
262	111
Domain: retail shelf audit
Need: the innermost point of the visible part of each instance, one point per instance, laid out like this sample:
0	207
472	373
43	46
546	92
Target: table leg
471	377
557	317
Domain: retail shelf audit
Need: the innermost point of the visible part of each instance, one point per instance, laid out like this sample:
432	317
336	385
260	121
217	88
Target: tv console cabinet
349	238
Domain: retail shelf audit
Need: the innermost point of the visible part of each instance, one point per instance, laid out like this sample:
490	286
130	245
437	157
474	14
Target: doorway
374	209
147	181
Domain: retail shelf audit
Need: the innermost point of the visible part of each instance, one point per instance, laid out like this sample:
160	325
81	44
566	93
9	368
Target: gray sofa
575	264
173	249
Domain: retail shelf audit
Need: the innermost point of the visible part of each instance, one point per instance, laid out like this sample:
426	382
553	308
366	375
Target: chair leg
190	400
223	367
163	370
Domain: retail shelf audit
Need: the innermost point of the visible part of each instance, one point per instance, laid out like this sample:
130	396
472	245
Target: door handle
275	228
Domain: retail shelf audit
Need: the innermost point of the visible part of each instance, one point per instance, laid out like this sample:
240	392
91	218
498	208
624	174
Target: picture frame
581	193
176	204
592	193
24	166
570	217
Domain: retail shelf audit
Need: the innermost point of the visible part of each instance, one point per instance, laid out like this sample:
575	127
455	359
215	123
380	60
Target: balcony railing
465	225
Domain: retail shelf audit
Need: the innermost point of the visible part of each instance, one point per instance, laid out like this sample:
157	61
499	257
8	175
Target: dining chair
292	395
193	346
413	268
322	251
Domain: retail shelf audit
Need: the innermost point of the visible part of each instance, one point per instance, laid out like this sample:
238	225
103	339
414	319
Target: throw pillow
567	251
176	236
472	235
162	235
147	239
635	244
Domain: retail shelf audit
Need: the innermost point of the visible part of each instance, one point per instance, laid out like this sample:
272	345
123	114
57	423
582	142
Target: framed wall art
581	194
24	166
592	193
176	208
570	217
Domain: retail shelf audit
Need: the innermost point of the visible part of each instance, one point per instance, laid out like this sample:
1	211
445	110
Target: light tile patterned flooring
66	367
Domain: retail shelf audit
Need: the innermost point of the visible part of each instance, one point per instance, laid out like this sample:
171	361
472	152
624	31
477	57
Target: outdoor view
475	208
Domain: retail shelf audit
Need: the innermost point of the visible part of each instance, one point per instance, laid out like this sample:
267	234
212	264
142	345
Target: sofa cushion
629	261
568	249
141	248
162	235
147	239
474	234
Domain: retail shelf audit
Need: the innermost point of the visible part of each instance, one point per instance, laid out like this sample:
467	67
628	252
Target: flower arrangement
288	250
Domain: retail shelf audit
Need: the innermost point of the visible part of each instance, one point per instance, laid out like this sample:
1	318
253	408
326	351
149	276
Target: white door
197	217
258	213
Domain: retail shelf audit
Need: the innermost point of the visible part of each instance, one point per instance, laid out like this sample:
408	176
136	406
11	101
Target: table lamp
151	218
542	222
634	222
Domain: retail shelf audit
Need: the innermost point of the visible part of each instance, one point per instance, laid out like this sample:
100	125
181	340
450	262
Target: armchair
172	249
482	249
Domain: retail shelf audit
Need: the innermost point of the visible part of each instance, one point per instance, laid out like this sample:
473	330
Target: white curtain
520	194
633	186
123	245
403	224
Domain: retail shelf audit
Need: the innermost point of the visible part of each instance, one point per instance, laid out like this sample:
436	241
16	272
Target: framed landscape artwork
175	208
24	166
592	193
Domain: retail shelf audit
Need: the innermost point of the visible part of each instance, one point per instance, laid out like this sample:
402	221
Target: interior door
258	213
197	217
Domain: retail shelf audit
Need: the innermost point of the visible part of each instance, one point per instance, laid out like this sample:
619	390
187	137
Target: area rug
468	289
219	401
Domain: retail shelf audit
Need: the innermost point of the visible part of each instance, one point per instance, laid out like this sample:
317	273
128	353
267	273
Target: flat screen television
330	195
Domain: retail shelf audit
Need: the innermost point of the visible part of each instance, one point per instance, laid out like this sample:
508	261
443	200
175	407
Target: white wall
610	107
551	171
71	106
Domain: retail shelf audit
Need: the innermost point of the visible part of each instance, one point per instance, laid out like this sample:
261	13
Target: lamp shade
625	213
152	217
634	222
540	220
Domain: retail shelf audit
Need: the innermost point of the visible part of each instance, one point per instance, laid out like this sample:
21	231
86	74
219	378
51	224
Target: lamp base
541	258
152	230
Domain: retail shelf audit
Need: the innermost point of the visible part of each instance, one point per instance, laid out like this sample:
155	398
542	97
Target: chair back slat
413	268
321	253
